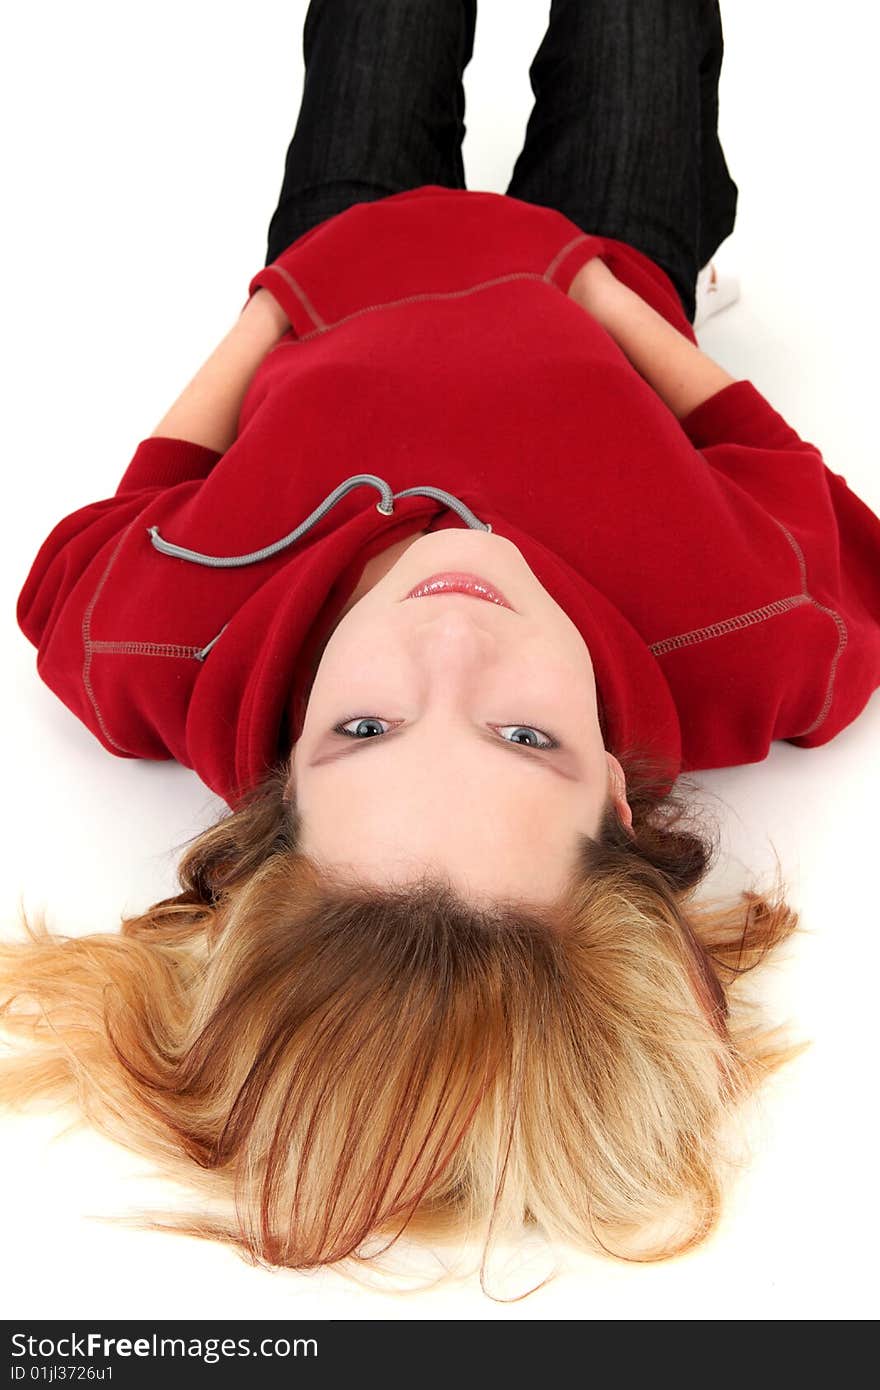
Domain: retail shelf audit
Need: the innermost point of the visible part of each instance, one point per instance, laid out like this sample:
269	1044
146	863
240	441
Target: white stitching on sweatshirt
146	648
719	629
88	647
561	255
321	325
172	649
412	299
300	294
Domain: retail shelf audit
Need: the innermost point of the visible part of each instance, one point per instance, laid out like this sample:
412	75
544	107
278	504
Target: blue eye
550	741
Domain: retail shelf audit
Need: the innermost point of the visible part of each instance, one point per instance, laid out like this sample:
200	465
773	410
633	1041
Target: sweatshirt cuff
160	462
739	414
287	292
584	249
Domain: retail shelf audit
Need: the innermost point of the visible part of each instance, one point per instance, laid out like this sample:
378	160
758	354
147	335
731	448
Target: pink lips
456	582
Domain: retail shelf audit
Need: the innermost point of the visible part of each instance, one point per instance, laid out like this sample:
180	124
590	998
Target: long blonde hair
336	1062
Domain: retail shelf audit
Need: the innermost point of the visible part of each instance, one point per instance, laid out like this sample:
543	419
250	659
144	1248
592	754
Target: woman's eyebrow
536	756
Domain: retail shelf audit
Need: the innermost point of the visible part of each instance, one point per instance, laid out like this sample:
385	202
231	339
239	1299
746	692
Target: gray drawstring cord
386	507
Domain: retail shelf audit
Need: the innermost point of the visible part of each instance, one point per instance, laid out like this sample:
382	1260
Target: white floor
143	158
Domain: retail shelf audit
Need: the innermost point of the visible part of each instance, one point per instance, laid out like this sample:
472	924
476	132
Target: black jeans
622	138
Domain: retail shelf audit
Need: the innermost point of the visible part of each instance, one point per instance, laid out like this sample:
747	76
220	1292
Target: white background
144	149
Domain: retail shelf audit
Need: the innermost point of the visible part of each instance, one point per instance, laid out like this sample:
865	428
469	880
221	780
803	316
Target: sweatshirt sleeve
740	434
833	532
739	414
54	606
161	462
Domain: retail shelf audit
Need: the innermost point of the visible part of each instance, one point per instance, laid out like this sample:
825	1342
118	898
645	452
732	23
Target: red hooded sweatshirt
725	582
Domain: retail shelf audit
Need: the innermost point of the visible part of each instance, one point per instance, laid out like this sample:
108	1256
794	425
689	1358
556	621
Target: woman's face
443	694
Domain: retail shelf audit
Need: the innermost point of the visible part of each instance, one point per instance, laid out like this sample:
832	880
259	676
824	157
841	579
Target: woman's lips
456	582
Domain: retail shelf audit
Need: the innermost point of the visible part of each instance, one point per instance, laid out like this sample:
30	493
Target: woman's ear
618	792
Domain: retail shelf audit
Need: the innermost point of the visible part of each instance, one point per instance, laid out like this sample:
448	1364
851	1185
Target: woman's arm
681	374
207	410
